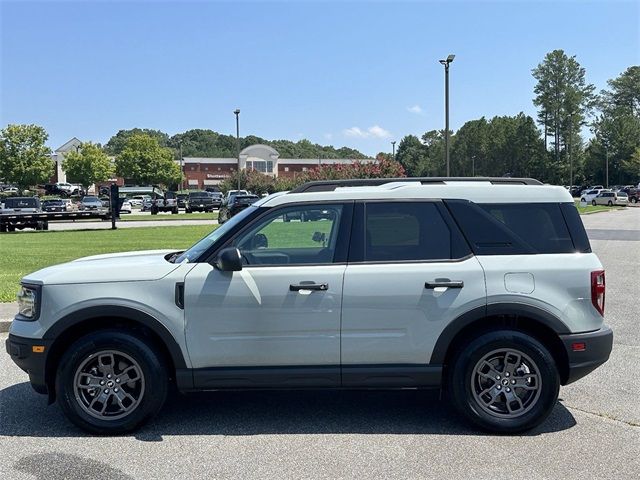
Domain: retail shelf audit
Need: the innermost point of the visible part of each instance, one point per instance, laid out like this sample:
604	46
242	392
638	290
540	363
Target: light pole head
237	111
447	60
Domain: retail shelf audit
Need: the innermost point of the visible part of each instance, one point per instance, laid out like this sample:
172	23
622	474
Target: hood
111	267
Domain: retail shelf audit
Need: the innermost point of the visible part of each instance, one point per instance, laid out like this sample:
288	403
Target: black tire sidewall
462	369
153	370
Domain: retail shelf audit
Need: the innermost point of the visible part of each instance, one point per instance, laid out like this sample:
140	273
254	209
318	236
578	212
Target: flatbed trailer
40	221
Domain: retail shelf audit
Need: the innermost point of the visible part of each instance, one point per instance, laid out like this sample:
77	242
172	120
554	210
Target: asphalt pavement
593	432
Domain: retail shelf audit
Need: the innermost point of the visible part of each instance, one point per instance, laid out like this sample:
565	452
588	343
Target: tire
45	225
187	210
11	228
593	202
143	396
610	203
468	377
634	200
3	228
175	211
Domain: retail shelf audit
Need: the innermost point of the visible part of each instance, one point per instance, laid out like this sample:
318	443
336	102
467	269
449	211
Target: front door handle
444	283
309	286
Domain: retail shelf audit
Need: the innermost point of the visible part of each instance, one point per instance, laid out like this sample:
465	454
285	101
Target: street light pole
237	113
446	63
607	167
181	168
393	146
569	152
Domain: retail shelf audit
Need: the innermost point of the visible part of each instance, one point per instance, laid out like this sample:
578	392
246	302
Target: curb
4	325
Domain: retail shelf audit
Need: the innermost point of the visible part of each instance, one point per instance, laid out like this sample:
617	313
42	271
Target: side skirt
301	377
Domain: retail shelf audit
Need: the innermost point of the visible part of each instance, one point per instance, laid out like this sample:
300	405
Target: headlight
28	301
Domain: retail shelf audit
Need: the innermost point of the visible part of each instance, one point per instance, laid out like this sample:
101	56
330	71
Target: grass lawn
133	217
591	209
25	252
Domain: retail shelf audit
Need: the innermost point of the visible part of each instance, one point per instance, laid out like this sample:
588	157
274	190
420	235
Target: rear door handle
446	283
309	286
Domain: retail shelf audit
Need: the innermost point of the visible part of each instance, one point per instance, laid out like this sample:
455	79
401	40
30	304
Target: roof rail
331	185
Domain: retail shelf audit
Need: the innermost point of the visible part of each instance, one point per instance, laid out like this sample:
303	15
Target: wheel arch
534	321
82	322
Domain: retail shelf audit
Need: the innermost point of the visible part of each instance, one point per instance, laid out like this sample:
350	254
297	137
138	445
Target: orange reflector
37	348
578	346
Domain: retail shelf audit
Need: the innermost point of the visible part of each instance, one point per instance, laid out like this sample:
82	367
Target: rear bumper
21	351
597	348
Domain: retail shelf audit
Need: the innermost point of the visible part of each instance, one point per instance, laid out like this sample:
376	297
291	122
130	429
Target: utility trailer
10	222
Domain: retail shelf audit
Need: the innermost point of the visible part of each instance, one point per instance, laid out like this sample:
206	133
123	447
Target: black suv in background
235	205
54	205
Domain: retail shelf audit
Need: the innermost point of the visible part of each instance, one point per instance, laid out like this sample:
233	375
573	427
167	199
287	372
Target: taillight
597	290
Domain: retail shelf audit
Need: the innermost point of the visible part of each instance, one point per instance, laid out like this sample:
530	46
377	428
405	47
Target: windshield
204	244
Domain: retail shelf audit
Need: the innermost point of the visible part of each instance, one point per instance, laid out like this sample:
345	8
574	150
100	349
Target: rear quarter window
520	228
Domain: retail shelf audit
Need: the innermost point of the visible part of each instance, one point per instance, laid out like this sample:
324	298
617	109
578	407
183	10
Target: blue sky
359	74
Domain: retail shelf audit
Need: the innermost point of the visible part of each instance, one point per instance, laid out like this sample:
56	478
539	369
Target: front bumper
587	351
25	355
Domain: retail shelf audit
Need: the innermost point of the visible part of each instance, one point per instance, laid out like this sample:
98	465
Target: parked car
232	193
217	199
11	190
182	199
409	287
54	205
168	203
137	200
610	199
146	204
125	207
200	202
235	206
91	203
19	206
632	194
589	195
69	205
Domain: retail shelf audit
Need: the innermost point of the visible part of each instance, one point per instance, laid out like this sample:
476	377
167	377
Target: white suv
487	288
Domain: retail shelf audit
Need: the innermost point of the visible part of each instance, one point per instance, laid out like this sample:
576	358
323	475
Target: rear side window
517	228
405	231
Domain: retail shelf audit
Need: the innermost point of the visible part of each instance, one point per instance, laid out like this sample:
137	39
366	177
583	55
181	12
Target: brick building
203	172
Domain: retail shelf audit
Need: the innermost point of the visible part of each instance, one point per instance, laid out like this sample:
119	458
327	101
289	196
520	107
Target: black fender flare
127	313
495	309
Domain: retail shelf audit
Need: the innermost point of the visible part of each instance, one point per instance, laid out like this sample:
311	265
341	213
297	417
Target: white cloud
417	109
376	131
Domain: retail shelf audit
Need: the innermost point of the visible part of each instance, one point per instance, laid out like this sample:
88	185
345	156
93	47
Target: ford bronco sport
486	288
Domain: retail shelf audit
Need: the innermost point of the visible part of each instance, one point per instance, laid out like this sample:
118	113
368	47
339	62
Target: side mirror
229	260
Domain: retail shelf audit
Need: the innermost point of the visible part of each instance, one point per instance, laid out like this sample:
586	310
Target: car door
410	274
276	322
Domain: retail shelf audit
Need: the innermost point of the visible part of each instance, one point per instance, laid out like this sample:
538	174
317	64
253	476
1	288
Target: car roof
483	190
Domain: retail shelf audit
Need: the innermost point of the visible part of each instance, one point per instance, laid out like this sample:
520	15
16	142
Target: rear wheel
504	381
593	202
111	382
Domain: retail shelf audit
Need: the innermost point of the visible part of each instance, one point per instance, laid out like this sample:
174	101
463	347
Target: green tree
116	144
564	99
616	132
624	93
88	165
25	160
412	155
144	162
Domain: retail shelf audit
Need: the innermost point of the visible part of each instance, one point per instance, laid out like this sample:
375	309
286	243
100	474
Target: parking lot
594	431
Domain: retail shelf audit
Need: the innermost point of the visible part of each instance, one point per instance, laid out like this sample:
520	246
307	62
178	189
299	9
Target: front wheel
111	382
593	202
504	381
610	203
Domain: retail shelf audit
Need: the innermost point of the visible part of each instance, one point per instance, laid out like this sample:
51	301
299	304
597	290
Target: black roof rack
331	185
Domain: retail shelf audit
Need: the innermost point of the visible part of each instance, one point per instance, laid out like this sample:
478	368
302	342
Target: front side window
402	231
294	235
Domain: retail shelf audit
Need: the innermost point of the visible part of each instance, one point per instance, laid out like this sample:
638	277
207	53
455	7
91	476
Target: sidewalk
7	312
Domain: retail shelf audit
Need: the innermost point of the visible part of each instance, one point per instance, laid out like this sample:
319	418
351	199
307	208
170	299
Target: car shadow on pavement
24	413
